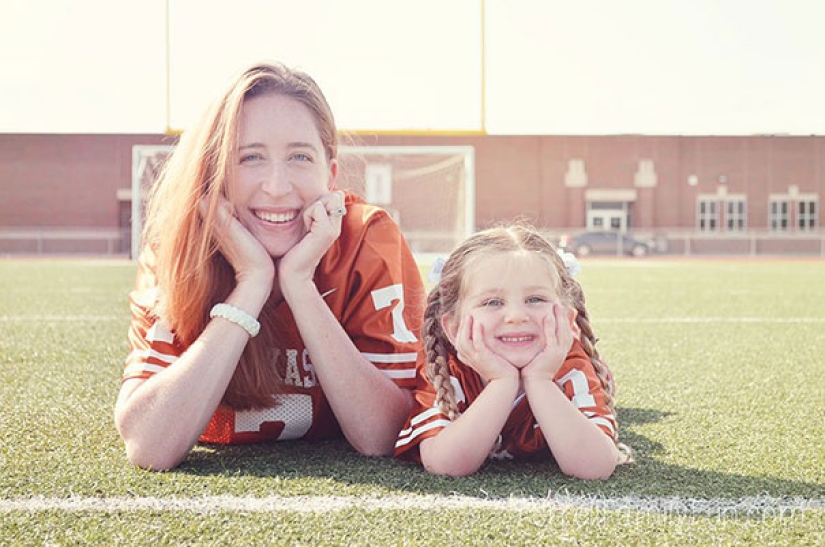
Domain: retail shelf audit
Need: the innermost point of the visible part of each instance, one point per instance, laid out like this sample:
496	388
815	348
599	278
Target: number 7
382	298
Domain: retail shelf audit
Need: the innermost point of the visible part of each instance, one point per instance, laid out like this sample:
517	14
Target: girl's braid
436	346
588	338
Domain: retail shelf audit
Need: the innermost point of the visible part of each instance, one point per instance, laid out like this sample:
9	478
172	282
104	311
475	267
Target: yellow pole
168	74
483	74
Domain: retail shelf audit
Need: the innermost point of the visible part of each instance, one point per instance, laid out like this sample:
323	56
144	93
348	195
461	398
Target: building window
778	215
708	215
735	215
806	215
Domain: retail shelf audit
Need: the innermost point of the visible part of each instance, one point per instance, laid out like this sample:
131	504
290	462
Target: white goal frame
140	156
469	182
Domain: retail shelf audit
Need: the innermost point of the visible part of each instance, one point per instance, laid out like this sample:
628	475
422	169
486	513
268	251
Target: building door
607	216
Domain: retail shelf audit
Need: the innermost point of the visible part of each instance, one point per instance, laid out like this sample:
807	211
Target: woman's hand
323	223
248	257
475	353
558	339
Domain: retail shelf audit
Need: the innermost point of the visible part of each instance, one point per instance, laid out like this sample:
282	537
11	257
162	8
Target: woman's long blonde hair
445	297
192	275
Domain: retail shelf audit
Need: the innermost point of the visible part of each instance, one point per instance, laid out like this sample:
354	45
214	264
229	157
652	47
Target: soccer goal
429	190
147	162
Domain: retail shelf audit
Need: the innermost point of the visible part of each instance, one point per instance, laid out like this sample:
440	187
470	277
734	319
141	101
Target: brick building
697	195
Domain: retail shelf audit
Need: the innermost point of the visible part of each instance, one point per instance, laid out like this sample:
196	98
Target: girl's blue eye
536	300
492	302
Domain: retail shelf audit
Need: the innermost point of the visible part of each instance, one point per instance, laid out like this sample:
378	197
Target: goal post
429	190
147	161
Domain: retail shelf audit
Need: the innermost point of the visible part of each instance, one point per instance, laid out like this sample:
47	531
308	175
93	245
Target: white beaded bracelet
237	316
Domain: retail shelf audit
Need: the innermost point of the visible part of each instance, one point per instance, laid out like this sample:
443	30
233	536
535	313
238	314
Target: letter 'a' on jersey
372	285
521	435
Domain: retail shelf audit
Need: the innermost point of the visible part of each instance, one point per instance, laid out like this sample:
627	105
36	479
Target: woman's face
280	169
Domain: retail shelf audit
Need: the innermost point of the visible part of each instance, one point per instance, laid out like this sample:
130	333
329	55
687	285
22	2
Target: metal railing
71	240
679	241
674	241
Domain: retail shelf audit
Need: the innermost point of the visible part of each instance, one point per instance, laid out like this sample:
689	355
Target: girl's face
280	169
509	294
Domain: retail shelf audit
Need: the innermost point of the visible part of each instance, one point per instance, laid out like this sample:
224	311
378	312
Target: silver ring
338	212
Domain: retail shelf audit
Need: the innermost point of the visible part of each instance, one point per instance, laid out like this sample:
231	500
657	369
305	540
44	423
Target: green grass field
720	368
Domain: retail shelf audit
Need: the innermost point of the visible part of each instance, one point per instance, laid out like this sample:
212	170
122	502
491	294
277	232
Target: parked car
605	242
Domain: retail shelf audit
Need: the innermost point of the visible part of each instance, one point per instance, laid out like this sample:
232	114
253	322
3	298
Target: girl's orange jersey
373	286
521	436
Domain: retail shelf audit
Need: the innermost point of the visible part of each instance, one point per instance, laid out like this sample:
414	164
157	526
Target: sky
658	67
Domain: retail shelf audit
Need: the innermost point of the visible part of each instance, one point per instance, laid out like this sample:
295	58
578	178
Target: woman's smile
276	218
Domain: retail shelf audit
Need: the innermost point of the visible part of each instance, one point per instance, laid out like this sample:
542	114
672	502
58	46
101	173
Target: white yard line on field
758	506
668	320
663	320
59	318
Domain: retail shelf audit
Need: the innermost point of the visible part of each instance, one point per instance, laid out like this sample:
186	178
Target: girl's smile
510	295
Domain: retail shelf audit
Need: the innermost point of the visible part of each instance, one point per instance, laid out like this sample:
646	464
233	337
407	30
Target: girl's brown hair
192	275
445	298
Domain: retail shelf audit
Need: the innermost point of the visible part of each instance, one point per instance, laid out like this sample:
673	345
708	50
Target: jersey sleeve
374	282
153	346
425	420
578	380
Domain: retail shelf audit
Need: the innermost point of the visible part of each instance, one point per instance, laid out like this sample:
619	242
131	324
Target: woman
268	304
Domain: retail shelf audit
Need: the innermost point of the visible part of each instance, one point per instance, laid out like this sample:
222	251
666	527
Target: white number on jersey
294	410
581	391
383	298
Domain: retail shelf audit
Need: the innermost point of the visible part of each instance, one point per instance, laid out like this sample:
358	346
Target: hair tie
571	263
435	271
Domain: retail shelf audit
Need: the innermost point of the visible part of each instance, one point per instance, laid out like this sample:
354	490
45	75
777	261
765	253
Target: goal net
429	190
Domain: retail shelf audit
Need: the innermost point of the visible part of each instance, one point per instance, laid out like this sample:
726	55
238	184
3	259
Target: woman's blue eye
301	157
246	158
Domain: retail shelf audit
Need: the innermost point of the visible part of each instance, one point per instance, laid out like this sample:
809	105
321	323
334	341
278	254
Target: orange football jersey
371	283
521	436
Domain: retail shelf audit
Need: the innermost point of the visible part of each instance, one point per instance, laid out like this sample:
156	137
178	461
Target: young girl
509	368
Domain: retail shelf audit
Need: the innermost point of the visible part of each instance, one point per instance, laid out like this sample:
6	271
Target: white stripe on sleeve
146	354
432	425
599	420
399	374
136	369
391	357
160	332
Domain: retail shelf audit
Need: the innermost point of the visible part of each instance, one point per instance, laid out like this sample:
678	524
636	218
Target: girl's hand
248	257
323	223
558	339
475	353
